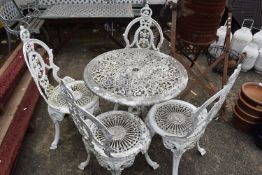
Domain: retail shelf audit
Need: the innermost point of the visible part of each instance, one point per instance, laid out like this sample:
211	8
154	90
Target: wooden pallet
22	96
10	74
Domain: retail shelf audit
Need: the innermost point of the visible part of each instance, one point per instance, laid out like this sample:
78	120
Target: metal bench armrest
20	20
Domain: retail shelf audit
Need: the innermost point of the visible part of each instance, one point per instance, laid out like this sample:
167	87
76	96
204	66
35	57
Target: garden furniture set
138	76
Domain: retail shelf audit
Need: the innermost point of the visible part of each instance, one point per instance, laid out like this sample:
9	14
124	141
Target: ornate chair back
145	35
220	96
37	65
83	120
9	11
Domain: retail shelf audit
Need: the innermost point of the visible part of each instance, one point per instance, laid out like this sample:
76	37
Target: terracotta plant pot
242	104
251	92
246	116
242	124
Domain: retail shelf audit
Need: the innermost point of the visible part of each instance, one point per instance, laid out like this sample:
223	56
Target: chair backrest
84	120
9	11
37	65
145	35
220	96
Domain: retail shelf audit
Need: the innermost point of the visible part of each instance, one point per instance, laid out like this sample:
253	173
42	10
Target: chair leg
116	172
9	40
116	107
151	130
97	109
201	150
152	163
57	135
82	165
56	117
177	154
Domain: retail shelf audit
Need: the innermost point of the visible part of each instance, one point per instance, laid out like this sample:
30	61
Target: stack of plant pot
248	107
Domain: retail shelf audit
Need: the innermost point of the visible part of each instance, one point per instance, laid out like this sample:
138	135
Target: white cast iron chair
39	67
181	124
146	33
144	37
114	137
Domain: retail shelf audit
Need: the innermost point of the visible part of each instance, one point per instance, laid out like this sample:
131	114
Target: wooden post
226	58
173	6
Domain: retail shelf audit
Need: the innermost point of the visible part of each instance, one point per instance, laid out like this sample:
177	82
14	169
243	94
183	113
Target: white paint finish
135	77
185	134
38	68
114	137
251	51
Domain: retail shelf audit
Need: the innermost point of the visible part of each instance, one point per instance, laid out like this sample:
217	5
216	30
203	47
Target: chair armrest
12	31
32	10
34	13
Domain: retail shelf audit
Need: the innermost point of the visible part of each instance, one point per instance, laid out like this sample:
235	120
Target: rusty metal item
198	21
215	51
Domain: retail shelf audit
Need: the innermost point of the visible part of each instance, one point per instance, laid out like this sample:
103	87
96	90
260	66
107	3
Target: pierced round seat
172	118
84	97
129	133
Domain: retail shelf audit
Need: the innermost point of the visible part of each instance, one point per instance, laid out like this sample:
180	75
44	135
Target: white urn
257	39
221	34
242	37
251	51
258	63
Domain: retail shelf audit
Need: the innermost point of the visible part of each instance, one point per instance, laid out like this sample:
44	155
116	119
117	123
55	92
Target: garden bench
12	17
130	7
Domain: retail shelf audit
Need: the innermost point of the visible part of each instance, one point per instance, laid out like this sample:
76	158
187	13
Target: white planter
221	34
258	63
242	37
251	51
257	39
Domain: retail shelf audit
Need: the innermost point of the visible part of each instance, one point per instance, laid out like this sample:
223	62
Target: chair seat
172	118
130	134
84	97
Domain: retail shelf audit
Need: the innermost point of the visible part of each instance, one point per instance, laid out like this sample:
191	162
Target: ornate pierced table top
135	77
88	11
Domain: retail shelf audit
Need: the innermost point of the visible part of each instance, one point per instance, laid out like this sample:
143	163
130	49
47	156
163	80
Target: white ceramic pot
258	63
221	34
251	51
257	39
242	37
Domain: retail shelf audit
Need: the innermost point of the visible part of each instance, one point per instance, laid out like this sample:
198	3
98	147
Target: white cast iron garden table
135	77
